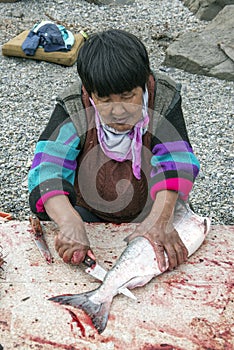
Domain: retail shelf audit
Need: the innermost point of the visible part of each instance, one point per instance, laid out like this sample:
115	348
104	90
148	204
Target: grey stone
209	52
206	9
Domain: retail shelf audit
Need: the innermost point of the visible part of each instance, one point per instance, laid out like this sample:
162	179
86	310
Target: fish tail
98	312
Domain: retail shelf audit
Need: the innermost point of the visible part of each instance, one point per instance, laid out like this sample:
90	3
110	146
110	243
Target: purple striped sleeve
177	166
70	139
46	158
169	147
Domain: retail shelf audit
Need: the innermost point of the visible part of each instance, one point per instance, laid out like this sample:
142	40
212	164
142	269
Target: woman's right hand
71	242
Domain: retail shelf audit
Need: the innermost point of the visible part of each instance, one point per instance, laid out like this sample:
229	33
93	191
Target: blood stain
160	347
49	342
77	321
107	262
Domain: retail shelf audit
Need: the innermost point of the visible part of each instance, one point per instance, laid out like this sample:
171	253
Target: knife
95	270
38	238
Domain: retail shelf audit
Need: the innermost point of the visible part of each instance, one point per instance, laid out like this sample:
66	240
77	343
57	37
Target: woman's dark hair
112	62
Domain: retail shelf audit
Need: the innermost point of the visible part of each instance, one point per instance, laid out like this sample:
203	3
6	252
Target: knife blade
97	271
38	238
93	268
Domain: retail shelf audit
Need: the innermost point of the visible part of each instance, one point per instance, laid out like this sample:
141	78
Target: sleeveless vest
104	186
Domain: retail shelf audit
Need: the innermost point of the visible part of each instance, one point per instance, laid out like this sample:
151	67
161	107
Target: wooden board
190	308
13	48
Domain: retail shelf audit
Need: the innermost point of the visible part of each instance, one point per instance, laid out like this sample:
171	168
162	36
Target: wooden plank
188	308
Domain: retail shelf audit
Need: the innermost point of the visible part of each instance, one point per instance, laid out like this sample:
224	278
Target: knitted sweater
172	164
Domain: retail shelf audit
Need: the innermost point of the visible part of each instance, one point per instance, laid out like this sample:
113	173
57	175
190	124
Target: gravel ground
28	90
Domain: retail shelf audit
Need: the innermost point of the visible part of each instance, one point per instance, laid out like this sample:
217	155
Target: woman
116	149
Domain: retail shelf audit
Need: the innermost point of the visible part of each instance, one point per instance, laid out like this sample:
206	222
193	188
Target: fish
136	266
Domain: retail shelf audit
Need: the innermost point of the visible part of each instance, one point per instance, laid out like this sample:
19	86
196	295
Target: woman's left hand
163	240
159	230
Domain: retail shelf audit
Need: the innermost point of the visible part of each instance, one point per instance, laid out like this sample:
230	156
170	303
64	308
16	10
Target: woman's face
120	111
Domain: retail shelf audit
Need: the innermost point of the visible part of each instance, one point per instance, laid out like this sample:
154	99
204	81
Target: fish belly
137	264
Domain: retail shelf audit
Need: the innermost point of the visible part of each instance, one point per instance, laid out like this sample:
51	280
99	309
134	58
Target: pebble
28	89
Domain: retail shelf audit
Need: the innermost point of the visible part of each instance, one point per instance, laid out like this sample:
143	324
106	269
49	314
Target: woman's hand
162	240
159	230
71	242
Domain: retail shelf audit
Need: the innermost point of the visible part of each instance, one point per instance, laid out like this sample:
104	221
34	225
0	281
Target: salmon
136	266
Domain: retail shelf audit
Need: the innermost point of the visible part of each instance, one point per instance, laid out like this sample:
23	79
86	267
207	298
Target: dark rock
206	9
209	52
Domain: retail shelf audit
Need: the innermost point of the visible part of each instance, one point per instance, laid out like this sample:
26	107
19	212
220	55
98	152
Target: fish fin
139	281
97	312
